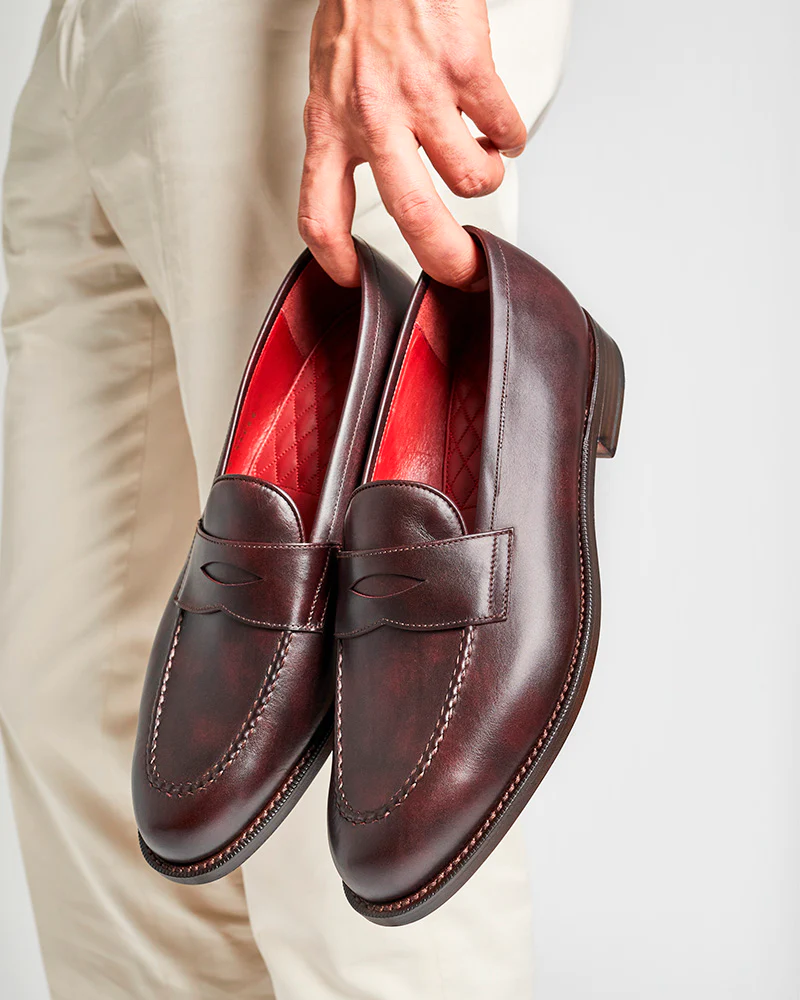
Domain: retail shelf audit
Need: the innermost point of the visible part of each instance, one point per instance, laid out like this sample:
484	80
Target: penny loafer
468	595
235	717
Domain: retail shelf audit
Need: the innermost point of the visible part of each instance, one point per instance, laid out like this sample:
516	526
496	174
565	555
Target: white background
663	190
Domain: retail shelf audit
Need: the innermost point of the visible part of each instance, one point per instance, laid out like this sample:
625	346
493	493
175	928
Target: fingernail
511	153
481	285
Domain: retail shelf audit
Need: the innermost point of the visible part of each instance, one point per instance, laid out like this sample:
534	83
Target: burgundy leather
236	707
429	585
250	594
462	604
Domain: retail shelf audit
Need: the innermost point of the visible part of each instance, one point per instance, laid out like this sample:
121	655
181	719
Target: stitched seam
233	846
360	817
306	626
290	395
492	568
259	545
455	446
449	445
239	742
363	394
310	623
319	588
504	392
353	553
316	451
295	418
483	620
266	431
296	442
401	380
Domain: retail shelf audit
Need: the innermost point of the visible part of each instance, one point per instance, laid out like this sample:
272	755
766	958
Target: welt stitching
239	742
504	392
162	692
367	381
426	890
359	817
232	847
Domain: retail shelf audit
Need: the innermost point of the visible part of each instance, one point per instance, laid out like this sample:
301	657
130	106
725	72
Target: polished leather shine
236	710
468	597
430	585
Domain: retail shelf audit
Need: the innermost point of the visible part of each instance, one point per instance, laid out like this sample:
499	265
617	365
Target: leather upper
239	687
456	661
425	585
249	594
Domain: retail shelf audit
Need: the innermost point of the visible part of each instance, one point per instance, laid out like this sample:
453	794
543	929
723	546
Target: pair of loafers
396	560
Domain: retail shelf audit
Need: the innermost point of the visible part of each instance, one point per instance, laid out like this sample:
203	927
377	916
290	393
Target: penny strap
275	586
441	584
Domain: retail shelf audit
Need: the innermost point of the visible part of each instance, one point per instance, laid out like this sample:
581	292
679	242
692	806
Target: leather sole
600	440
262	827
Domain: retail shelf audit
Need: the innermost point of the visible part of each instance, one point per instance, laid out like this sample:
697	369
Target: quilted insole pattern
294	455
465	430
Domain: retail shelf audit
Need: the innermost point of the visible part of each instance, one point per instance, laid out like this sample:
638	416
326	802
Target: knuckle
368	110
473	182
418	91
314	230
315	117
513	129
471	71
415	212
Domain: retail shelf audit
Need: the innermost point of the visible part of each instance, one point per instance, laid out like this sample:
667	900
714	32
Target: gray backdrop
663	190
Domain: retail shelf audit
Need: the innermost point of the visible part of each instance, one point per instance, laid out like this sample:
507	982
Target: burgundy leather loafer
468	603
236	710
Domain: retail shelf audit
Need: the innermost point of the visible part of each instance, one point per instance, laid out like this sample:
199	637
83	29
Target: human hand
389	76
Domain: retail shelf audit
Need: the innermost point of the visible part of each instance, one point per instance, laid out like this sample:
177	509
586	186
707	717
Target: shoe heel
611	390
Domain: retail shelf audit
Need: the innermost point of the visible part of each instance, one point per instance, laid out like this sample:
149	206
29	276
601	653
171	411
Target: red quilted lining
291	410
434	431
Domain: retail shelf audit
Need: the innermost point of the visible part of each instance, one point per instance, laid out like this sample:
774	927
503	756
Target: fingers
439	243
325	214
469	167
488	104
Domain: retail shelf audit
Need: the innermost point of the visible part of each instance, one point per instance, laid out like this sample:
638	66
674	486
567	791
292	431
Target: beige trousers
149	214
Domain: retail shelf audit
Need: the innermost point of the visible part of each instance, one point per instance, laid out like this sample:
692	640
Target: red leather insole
434	431
292	407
